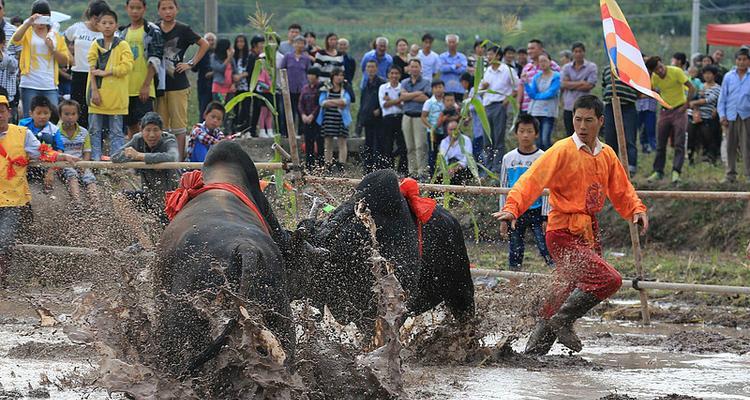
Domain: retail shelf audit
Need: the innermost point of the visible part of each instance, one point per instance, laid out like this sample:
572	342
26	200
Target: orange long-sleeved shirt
578	182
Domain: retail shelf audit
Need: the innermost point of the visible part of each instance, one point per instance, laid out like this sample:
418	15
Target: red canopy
728	34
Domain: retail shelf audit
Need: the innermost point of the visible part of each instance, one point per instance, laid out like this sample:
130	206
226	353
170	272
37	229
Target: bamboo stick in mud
289	115
634	238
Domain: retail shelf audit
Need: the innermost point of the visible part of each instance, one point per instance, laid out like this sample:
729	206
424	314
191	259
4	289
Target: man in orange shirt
579	172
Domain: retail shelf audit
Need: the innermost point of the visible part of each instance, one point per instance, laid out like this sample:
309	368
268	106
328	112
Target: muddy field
703	352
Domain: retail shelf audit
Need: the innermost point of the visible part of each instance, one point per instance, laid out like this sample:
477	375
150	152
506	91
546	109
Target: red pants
577	265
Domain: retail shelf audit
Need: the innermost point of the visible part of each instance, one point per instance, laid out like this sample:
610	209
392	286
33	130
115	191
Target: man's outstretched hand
504	216
642	220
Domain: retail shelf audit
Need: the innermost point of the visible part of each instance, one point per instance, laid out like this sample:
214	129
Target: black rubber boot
541	339
561	324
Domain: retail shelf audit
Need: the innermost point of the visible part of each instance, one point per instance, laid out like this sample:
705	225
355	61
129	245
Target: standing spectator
565	56
544	91
111	61
535	48
389	95
223	67
452	65
717	56
509	58
414	92
350	64
9	28
371	117
680	61
477	59
401	59
734	111
628	97
287	46
499	78
8	71
147	45
708	60
671	82
578	78
65	80
262	116
334	118
522	58
42	52
243	64
311	47
704	131
431	111
81	35
173	105
152	146
296	64
308	110
382	59
257	43
429	59
646	108
329	58
205	77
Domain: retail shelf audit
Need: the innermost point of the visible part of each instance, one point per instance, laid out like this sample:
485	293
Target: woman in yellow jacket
43	50
111	62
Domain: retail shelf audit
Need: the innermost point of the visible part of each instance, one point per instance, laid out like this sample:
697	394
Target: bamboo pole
634	238
627	283
289	115
142	165
489	190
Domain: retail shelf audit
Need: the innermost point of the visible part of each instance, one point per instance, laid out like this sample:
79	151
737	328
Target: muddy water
629	360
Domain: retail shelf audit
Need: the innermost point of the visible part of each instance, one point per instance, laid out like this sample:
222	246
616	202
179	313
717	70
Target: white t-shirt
82	38
458	150
393	93
430	64
41	75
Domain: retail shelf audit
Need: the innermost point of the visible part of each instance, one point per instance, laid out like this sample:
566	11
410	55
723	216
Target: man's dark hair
294	26
711	68
416	60
467	77
509	49
372	62
428	37
526	119
396	67
142	1
41	7
437	82
96	8
742	52
158	3
257	39
589	102
215	105
710	58
310	34
69	103
108	13
478	43
41	101
651	63
578	45
313	70
522	51
449	94
682	58
494	49
537	41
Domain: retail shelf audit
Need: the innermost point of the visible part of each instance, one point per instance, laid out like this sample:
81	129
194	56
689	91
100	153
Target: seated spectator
152	145
46	133
456	149
207	133
77	143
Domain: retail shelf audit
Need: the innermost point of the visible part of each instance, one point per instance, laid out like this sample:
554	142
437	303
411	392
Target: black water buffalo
217	240
344	280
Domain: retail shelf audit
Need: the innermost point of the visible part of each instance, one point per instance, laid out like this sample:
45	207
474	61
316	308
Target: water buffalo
217	240
344	281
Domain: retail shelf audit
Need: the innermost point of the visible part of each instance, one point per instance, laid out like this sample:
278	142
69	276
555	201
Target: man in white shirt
429	59
392	111
456	149
502	80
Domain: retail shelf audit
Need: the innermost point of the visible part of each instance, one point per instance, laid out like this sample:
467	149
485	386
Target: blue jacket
49	134
346	115
551	92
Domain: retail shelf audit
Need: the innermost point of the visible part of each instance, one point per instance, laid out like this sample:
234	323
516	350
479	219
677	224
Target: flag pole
634	238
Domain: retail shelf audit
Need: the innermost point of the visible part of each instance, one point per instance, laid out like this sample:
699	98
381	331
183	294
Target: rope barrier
143	165
489	190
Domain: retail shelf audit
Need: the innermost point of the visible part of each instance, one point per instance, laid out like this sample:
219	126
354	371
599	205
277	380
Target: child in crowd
515	163
308	108
8	73
46	132
18	145
456	149
431	111
111	62
76	142
152	146
206	133
413	51
265	121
